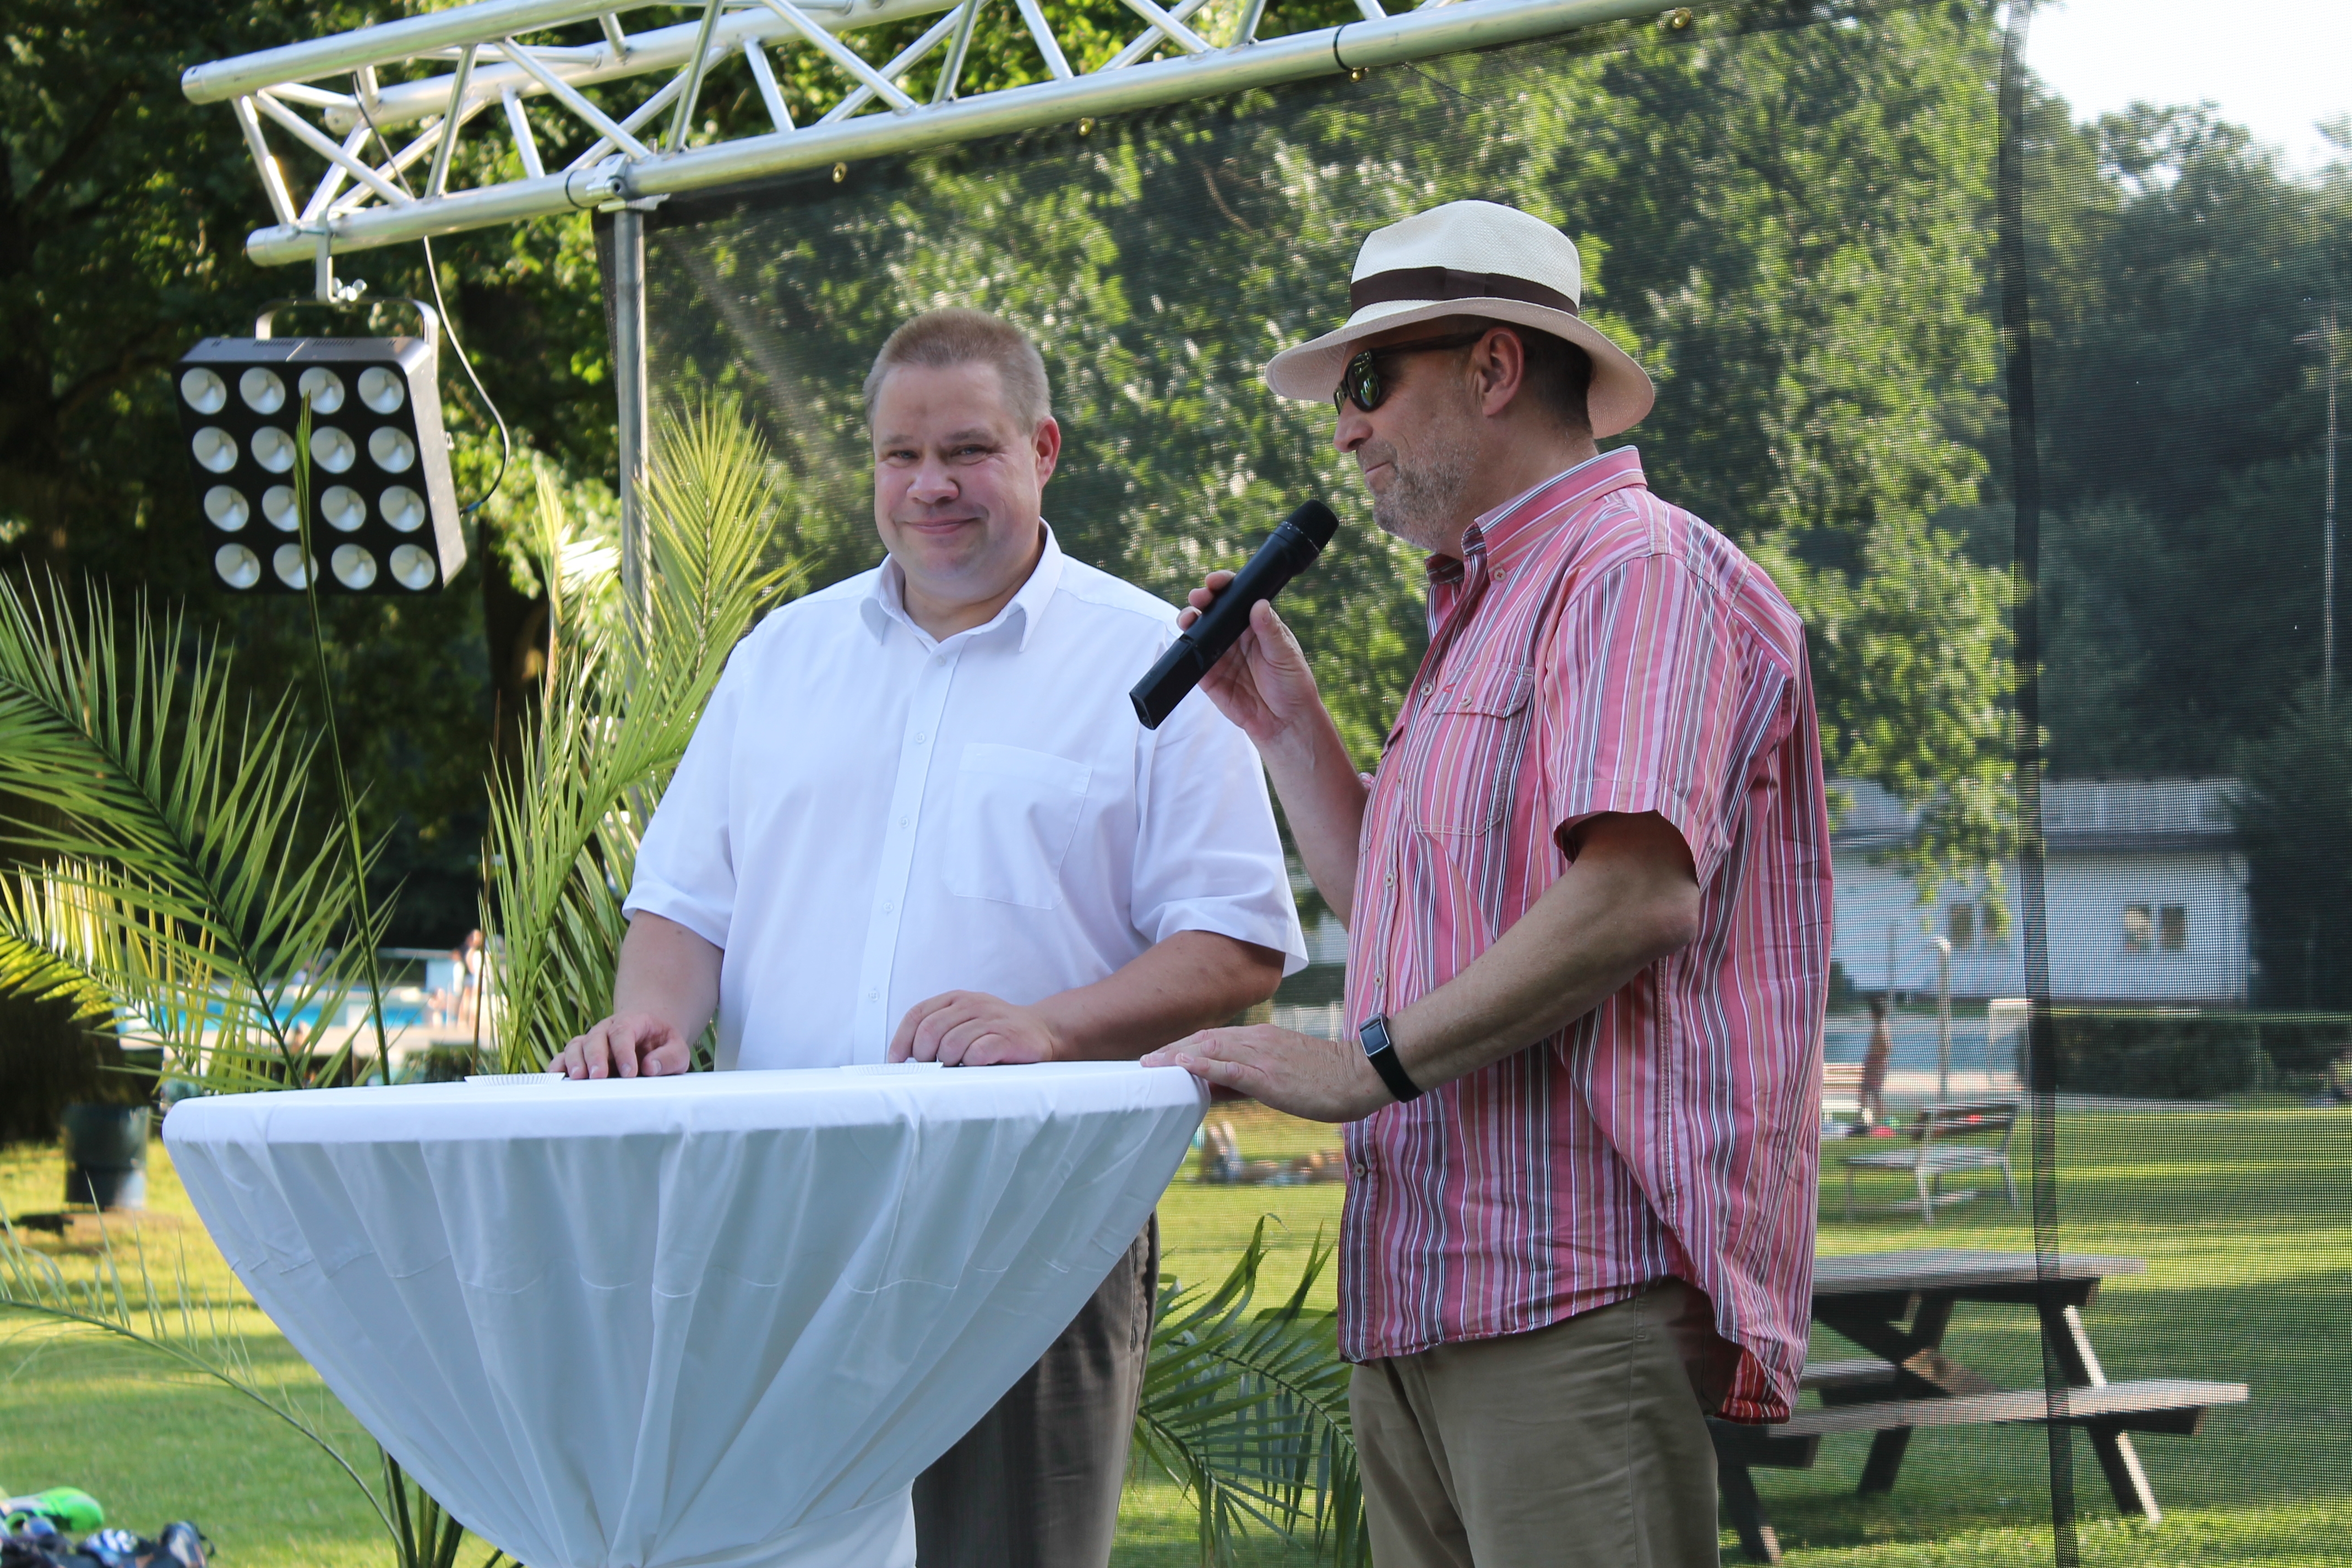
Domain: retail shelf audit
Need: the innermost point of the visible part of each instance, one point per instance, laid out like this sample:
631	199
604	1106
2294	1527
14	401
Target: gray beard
1425	492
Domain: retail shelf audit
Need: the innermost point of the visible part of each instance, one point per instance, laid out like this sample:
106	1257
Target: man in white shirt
918	820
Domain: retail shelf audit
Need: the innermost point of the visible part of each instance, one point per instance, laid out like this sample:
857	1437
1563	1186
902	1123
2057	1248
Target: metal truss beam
496	66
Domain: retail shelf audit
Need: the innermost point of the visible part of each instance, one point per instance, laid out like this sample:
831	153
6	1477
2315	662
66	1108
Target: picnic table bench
1898	1306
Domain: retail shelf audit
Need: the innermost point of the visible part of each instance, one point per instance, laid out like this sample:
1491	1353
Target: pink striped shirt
1599	650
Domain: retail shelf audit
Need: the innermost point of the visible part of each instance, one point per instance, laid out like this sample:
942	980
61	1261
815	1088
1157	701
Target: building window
2152	928
1960	925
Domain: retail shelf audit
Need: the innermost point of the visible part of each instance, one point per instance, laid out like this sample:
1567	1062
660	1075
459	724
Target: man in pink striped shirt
1588	887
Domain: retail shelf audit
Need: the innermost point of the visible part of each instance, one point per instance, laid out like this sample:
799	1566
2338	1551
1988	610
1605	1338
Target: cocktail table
720	1320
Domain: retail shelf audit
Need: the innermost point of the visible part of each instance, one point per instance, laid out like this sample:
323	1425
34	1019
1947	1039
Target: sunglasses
1363	383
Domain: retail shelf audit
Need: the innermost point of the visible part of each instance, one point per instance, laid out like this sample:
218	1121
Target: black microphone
1287	551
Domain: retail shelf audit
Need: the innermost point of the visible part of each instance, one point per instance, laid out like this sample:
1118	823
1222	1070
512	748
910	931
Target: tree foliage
2176	265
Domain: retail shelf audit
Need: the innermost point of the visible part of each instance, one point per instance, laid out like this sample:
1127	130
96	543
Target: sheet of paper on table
720	1320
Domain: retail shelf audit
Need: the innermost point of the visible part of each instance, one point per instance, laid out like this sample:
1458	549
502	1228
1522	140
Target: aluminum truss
324	96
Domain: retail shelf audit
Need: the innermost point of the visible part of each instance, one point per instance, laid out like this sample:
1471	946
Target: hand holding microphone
1221	619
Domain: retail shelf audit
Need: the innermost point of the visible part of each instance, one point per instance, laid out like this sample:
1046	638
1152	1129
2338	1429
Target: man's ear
1501	361
1046	440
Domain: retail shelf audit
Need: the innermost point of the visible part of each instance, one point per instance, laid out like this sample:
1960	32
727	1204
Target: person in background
469	979
2339	1078
917	820
1589	922
1875	1058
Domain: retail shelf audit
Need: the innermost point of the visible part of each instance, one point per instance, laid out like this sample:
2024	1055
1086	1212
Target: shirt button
1380	979
1389	881
874	995
921	737
1359	1169
1426	688
889	908
902	821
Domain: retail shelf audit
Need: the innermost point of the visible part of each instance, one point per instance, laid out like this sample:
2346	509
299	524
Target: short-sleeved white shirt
867	818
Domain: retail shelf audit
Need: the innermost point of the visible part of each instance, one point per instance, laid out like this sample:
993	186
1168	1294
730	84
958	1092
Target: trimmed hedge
2158	1055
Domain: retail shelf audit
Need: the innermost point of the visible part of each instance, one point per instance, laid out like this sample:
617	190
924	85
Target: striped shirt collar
1503	533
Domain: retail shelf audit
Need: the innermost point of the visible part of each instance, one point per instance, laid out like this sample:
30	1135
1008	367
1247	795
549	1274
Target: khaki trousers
1582	1443
1036	1483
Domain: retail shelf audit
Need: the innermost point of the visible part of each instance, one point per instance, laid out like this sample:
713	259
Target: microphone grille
1316	521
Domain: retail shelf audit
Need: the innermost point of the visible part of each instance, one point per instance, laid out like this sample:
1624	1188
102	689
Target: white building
2145	889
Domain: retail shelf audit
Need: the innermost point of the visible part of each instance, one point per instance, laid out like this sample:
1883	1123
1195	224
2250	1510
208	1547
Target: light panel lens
343	507
273	448
216	449
205	392
411	567
394	452
321	466
354	568
239	567
403	508
226	508
321	388
262	391
331	449
381	390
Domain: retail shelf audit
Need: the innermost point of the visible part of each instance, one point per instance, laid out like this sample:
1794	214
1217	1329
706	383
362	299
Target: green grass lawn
2245	1218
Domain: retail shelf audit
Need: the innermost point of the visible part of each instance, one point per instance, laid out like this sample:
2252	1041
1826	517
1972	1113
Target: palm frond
186	1328
169	816
53	945
1248	1412
615	716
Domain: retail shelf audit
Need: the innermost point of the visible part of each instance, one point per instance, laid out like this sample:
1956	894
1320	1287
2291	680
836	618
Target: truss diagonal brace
899	65
567	95
1048	47
1176	32
318	141
841	54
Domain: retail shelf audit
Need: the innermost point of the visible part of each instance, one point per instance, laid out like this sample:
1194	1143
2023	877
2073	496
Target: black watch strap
1381	1051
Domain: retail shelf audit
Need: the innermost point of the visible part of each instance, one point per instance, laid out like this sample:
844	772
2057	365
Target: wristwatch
1381	1051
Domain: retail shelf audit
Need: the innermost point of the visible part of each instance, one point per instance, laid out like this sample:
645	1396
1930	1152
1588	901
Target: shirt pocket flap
1013	817
1498	693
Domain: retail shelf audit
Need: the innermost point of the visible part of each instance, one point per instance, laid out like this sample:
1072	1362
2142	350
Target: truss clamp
604	185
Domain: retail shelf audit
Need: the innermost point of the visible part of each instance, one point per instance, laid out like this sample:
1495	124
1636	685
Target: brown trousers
1036	1483
1585	1443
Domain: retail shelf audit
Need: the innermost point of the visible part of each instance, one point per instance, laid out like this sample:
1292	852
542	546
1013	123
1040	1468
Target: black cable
433	273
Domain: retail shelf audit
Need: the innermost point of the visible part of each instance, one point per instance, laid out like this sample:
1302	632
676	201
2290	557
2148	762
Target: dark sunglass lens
1364	383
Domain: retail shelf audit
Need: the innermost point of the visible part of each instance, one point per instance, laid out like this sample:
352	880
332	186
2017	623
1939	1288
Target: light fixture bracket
329	291
427	317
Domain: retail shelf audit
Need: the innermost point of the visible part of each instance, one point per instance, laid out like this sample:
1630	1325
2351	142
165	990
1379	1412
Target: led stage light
384	517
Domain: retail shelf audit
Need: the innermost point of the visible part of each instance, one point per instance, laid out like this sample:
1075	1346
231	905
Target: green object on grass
70	1509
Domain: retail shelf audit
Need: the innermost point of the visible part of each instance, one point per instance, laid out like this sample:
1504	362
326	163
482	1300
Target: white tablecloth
720	1320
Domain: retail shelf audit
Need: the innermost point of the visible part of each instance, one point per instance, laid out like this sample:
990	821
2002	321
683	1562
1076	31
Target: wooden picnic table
1898	1306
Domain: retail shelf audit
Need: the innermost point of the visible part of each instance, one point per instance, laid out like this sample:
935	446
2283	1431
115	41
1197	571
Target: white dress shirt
868	816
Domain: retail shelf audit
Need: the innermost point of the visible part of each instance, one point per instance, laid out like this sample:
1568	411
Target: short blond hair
938	339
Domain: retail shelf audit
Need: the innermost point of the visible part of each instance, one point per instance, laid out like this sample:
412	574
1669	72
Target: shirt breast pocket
1010	823
1474	738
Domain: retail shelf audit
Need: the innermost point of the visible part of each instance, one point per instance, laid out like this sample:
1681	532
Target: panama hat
1470	259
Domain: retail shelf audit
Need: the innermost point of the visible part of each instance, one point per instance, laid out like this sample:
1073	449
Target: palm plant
617	710
171	890
1248	1411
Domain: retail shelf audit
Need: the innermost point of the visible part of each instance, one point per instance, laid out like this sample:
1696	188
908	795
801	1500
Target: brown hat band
1422	284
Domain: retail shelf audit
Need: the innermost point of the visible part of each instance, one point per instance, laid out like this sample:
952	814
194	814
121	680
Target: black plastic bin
105	1155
